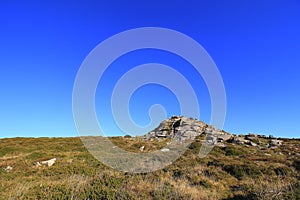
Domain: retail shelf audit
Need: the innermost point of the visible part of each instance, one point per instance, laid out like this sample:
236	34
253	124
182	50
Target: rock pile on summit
178	127
182	128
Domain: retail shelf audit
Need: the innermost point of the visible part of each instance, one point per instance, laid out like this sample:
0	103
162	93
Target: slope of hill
238	167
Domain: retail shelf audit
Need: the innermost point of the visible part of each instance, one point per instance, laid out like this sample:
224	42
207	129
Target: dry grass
234	172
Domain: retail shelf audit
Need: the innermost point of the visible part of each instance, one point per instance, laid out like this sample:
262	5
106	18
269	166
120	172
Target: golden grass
235	172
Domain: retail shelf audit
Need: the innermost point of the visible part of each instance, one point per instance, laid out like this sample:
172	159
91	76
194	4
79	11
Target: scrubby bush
195	146
241	171
233	151
296	164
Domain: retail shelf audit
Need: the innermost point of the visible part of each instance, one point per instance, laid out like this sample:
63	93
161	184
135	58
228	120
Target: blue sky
255	45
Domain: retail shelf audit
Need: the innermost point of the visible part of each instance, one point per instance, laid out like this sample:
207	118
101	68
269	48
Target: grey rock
47	163
239	140
189	134
252	135
182	128
224	137
211	137
251	138
142	148
275	142
253	144
165	150
8	168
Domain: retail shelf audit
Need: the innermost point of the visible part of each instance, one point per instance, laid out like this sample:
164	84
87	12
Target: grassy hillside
231	172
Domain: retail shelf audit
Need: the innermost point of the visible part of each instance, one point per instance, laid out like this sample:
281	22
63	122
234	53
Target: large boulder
252	137
239	140
183	128
224	137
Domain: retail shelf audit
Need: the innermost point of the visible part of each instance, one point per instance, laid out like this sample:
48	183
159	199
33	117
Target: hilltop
249	166
180	128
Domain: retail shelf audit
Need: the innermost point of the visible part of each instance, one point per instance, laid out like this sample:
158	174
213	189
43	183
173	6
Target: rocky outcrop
185	129
181	128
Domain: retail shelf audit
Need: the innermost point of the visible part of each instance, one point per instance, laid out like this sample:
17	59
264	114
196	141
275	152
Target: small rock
50	162
239	140
267	154
8	168
165	150
47	163
142	148
252	135
251	138
224	137
275	142
253	144
220	144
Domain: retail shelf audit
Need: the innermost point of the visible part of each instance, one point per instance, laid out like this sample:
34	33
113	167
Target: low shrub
296	164
233	151
241	171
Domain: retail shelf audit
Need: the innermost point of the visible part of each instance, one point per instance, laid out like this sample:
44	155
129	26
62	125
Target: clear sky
255	44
